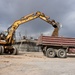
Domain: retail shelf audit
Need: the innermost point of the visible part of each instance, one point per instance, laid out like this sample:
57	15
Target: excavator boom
32	16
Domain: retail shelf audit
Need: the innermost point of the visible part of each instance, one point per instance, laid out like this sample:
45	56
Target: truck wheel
44	52
15	51
50	53
62	53
1	49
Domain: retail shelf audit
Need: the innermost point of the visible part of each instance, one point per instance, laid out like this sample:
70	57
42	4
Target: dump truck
53	46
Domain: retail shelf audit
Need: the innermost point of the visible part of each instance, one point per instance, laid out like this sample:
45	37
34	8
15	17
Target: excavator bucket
56	29
55	32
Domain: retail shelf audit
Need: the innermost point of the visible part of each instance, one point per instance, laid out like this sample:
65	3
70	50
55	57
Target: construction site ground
35	63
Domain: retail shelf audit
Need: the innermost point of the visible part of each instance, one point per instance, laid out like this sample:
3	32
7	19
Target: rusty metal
56	41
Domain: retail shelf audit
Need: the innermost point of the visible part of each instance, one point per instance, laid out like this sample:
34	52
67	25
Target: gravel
34	63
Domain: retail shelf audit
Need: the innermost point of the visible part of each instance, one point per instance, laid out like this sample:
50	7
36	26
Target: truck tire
50	53
15	51
44	53
1	49
62	53
12	51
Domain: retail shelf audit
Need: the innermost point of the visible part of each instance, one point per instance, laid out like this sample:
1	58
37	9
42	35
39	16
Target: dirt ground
34	63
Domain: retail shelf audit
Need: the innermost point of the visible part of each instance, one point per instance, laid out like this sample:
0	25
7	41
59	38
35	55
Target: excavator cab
3	35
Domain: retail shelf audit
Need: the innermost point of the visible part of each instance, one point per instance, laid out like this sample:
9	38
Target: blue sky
62	11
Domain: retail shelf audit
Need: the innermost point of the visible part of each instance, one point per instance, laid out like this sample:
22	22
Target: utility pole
20	35
20	40
26	33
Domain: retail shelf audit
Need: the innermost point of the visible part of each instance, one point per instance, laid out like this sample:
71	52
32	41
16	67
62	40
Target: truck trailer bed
56	41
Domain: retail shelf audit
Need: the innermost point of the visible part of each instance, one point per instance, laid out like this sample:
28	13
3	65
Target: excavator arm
16	24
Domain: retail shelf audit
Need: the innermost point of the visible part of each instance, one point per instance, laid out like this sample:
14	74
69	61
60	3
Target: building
28	45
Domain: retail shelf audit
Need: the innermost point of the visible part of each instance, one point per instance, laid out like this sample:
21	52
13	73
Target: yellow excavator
6	40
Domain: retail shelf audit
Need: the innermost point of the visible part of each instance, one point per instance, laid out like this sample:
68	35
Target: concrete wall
27	47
